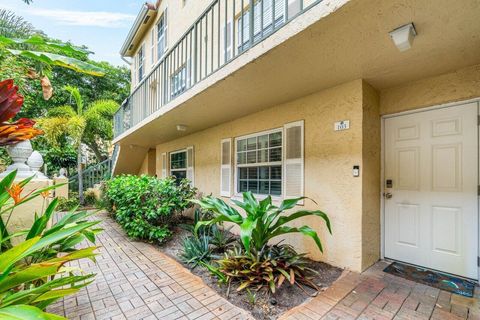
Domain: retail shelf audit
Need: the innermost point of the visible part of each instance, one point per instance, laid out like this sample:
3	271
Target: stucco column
23	216
62	191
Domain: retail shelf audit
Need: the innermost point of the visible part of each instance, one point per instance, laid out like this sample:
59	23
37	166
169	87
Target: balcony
226	30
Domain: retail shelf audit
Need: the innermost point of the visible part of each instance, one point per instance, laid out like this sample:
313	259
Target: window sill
276	200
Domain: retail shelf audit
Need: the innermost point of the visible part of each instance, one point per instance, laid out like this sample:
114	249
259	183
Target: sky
101	25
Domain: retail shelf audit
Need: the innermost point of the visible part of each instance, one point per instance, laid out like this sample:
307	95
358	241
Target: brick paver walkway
137	281
378	295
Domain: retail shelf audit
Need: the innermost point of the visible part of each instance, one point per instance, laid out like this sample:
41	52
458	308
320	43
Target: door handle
387	195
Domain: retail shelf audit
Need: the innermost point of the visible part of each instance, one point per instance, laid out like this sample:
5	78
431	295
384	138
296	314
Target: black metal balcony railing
225	30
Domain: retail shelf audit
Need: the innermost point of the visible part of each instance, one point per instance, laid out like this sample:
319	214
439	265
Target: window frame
180	75
163	18
236	166
267	28
141	63
170	170
152	46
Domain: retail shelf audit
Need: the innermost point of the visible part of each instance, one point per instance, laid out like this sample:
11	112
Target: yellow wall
353	204
23	215
371	176
149	164
329	158
459	85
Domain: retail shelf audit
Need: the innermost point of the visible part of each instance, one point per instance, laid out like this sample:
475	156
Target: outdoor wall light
403	36
181	127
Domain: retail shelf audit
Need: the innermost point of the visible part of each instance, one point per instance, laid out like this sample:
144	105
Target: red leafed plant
10	104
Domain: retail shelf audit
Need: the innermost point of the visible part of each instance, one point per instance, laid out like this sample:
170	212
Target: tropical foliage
33	74
10	104
14	26
89	124
208	243
269	268
146	206
262	221
33	273
67	204
77	124
252	263
61	57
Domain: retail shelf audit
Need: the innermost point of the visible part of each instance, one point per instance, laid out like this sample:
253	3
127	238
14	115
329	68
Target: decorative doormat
432	278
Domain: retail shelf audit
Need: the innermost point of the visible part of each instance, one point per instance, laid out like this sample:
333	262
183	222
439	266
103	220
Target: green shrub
146	206
65	204
89	197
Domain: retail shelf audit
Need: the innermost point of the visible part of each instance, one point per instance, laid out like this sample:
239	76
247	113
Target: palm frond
77	97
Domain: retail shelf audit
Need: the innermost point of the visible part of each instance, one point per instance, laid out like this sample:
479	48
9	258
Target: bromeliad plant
263	221
271	268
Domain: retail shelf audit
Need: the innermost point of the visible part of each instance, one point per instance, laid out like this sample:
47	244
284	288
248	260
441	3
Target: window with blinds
162	35
259	163
264	12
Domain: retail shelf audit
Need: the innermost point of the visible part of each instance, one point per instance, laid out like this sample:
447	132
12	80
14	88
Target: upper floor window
259	163
141	62
179	81
263	10
152	47
228	49
162	35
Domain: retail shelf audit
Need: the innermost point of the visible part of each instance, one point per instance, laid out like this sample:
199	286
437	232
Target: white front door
431	187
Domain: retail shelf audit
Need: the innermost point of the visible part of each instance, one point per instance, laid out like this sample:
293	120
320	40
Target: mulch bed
267	306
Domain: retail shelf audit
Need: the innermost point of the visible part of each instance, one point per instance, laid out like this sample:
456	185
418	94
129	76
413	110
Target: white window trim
229	45
237	195
227	166
170	170
184	86
161	55
164	165
153	43
141	62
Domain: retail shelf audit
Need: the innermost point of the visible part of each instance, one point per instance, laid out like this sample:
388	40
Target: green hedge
146	206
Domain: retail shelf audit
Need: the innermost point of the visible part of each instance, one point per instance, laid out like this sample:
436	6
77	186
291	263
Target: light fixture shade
181	127
403	36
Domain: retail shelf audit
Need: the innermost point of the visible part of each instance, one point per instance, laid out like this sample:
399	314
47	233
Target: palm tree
14	26
92	126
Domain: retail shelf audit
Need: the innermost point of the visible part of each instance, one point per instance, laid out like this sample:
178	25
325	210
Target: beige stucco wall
23	216
149	163
370	176
353	204
329	158
459	85
144	167
62	191
179	17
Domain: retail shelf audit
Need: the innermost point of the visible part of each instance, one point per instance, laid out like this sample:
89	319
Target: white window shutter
190	165
226	168
164	165
165	21
294	8
293	182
